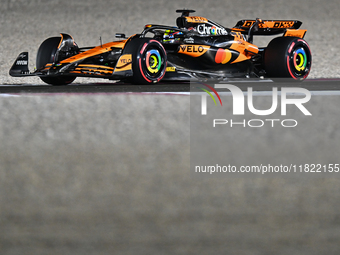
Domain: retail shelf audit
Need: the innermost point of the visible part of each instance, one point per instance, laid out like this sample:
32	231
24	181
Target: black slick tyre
288	57
46	54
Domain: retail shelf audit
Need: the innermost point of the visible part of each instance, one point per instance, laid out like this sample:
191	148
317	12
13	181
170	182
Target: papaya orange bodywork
124	63
95	66
95	51
296	32
196	19
246	49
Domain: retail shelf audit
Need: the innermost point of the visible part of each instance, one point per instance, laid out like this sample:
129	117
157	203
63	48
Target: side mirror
120	35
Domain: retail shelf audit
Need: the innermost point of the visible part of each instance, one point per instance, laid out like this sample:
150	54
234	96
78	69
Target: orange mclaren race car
196	48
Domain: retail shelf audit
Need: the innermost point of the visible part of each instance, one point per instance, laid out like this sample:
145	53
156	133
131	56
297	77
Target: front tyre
46	54
149	61
288	57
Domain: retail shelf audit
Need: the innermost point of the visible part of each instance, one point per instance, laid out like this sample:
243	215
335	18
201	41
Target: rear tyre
288	57
149	60
46	54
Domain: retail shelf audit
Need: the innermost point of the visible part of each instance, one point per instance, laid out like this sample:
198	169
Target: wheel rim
152	62
299	61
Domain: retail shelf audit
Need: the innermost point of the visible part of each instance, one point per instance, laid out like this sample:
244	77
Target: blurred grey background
109	173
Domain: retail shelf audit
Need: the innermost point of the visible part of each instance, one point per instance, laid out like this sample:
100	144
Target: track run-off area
318	86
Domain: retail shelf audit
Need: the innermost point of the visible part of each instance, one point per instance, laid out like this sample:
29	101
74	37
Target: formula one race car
196	48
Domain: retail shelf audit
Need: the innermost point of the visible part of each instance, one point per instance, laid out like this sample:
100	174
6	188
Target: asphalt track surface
169	87
100	172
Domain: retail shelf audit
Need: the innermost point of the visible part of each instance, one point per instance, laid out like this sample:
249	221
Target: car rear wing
268	27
